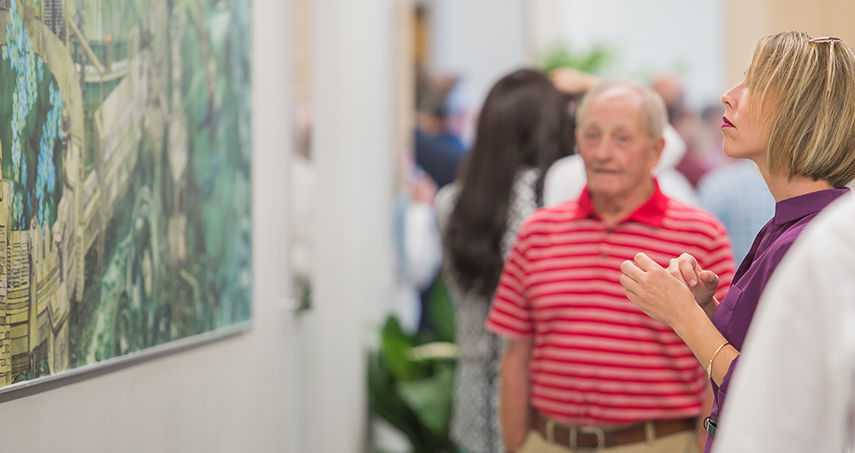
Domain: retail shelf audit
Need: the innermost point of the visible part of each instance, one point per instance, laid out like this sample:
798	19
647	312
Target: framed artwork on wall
125	195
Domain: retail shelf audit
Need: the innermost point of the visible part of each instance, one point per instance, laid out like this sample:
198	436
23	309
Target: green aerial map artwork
125	190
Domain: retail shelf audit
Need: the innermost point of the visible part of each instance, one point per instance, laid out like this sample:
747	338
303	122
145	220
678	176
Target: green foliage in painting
125	195
34	106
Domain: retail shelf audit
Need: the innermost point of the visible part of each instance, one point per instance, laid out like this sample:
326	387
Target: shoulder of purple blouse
779	247
751	277
793	209
752	252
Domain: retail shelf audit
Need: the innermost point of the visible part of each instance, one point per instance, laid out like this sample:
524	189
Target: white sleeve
564	180
794	386
422	243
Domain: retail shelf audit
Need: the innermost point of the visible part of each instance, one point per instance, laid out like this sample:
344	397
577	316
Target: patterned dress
475	415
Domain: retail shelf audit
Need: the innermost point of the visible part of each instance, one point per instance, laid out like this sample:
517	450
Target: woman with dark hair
522	129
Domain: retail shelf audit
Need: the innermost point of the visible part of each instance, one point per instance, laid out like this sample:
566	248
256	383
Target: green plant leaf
430	399
388	405
395	346
413	394
441	312
596	60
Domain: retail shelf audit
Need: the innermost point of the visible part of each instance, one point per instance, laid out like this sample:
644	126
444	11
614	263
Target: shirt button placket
603	254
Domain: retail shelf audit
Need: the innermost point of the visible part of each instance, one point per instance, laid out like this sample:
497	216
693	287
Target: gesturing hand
653	289
703	283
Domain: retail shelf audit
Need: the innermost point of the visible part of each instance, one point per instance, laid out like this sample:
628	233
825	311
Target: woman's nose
725	100
728	99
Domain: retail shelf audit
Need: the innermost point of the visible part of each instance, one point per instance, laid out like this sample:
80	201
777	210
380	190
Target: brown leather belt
595	437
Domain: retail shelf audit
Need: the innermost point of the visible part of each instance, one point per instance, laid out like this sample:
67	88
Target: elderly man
584	368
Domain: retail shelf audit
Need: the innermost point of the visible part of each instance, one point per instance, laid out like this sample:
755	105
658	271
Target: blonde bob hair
805	89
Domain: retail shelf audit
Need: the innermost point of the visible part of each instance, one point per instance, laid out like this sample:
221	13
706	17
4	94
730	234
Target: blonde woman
793	116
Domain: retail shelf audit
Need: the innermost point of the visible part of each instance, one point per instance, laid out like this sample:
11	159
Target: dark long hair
524	124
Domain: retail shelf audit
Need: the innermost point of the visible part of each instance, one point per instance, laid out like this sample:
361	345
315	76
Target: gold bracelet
709	365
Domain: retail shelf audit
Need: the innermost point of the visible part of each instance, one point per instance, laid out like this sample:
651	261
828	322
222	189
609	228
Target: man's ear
658	146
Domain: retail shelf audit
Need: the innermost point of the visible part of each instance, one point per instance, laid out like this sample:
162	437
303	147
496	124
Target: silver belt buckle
595	430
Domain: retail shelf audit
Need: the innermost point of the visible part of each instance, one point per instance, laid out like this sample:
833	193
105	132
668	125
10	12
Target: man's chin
603	184
602	191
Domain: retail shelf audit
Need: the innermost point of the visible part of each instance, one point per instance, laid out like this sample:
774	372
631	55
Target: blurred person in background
522	128
693	163
573	84
585	369
438	152
303	188
418	246
738	196
566	178
792	116
439	148
709	136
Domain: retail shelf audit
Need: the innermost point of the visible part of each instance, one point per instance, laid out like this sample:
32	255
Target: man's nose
603	150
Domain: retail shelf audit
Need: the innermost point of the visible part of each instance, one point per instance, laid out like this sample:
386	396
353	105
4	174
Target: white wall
479	40
648	37
353	143
230	396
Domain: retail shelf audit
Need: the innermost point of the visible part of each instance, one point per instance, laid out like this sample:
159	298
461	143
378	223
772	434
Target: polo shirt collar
795	208
651	212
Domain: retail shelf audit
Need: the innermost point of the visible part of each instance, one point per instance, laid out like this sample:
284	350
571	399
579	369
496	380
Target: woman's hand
658	293
701	282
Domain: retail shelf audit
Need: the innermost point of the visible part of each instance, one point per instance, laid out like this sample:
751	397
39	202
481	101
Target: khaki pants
685	442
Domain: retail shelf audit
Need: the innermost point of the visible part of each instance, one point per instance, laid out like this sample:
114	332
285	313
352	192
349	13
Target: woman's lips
726	122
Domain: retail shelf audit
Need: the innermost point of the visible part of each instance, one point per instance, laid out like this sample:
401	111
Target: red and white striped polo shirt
597	358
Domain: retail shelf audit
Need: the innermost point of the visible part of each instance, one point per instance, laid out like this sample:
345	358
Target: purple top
734	313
